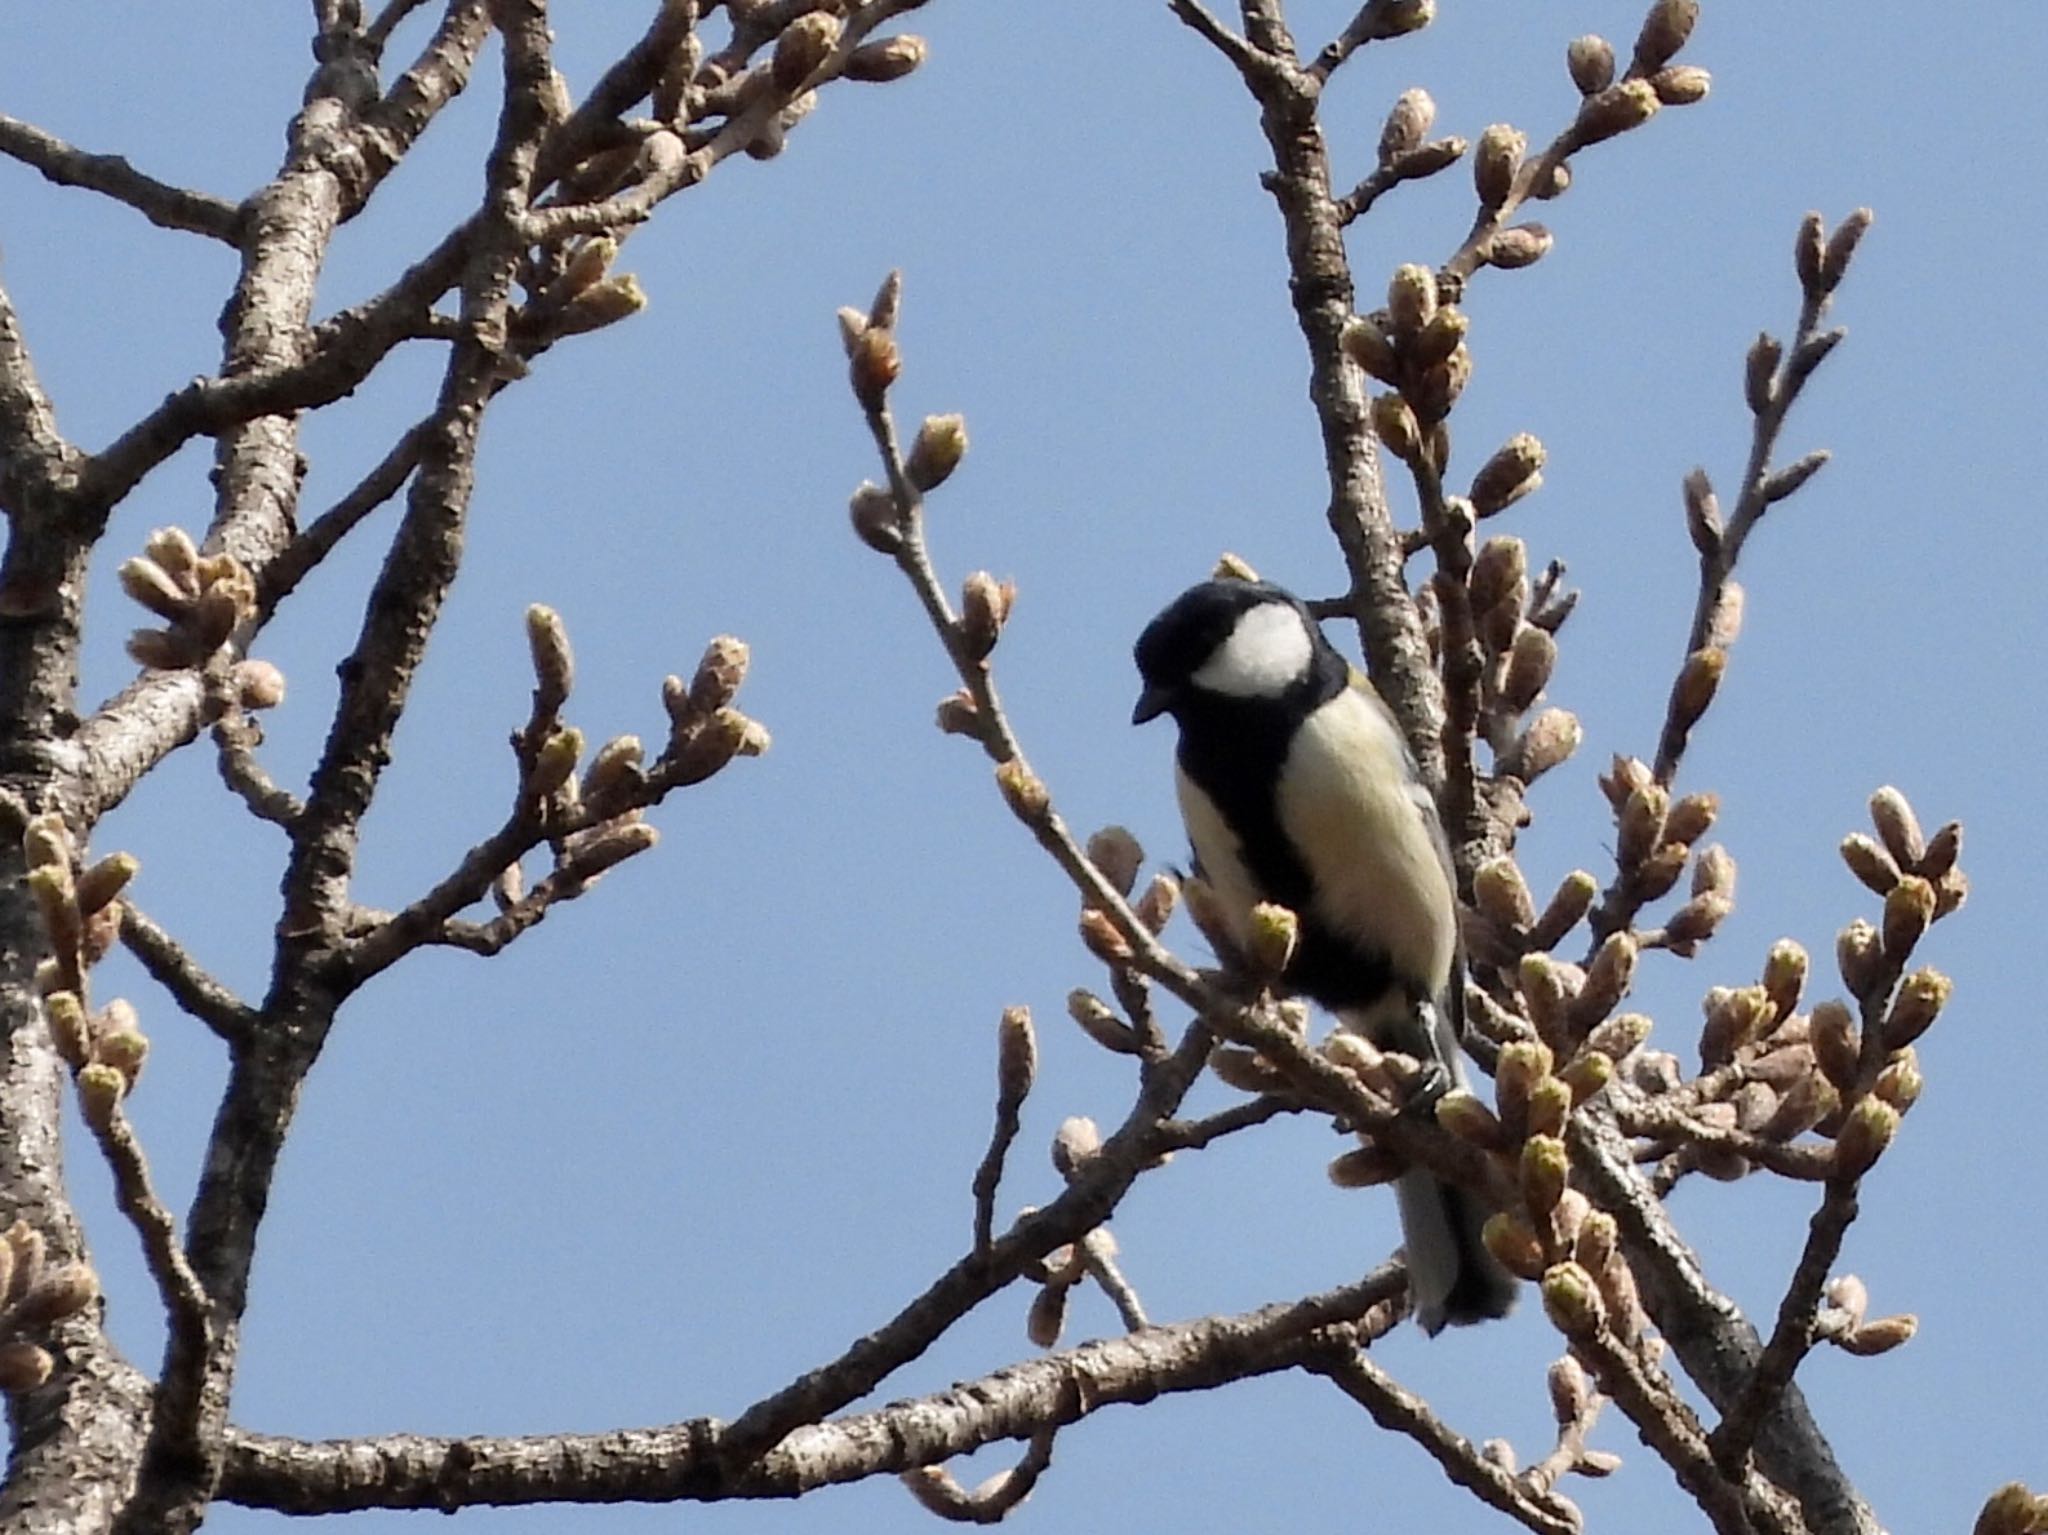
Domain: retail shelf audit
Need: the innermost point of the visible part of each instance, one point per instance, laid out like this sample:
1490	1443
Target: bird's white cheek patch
1268	650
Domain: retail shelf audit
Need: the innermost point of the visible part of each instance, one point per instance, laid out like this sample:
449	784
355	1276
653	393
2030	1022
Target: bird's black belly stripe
1233	750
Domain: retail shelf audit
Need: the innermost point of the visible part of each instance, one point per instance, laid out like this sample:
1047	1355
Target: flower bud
1586	1073
1665	30
1075	1144
602	304
1367	1167
1900	1083
1698	680
1681	85
1016	1054
1023	790
1509	475
1922	995
1573	899
1155	907
1864	1136
1640	825
1837	1043
874	363
1514	1246
1619	1036
1118	856
1572	1301
1692	817
1274	934
1550	1105
1591	62
1908	910
555	762
1047	1317
1794	475
1545	1168
150	584
587	267
258	685
1881	1337
984	608
1608	979
1841	247
1459	1112
57	1294
1098	1020
1785	976
1366	344
100	1090
1519	245
941	444
1502	894
957	714
1616	110
1394	424
1943	849
802	47
1859	953
1549	740
1411	299
875	519
1406	126
1495	162
1702	513
23	1366
890	58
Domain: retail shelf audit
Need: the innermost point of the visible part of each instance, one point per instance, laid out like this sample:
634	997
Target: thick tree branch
692	1462
34	457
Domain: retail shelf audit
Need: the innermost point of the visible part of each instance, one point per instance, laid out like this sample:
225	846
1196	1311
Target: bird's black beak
1153	702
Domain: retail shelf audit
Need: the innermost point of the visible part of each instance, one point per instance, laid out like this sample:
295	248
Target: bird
1297	788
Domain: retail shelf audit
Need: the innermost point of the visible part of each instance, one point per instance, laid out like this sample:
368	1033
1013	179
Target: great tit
1297	788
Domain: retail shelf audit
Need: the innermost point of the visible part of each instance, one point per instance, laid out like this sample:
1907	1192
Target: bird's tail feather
1452	1279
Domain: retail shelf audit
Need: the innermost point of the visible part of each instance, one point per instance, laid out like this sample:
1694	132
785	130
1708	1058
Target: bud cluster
202	598
1416	346
80	908
35	1295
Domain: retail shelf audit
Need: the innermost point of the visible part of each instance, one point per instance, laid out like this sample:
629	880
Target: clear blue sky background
700	1130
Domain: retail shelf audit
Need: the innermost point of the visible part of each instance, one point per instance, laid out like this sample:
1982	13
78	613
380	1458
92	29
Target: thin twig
1193	1134
1098	1254
190	985
939	1492
167	206
236	737
988	1177
186	1307
1401	1411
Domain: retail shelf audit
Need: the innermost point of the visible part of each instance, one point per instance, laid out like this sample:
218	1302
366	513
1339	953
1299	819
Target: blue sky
701	1129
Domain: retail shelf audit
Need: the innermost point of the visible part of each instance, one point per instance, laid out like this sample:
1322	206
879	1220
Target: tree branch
692	1461
164	205
190	986
1399	1410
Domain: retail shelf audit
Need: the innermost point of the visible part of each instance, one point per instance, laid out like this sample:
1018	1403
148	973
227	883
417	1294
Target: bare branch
1401	1411
162	204
699	1460
34	457
185	1304
1771	400
190	986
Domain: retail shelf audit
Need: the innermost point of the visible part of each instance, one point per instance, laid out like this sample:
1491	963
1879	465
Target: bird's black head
1232	640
